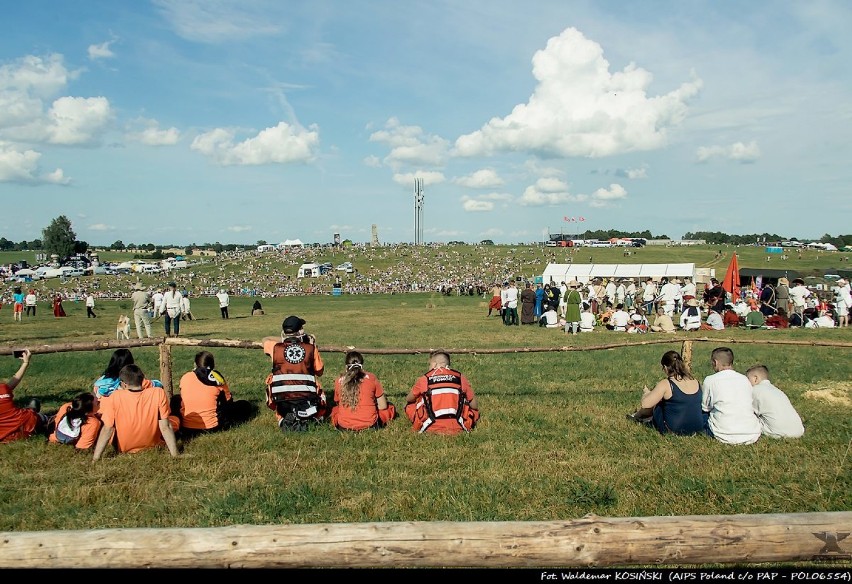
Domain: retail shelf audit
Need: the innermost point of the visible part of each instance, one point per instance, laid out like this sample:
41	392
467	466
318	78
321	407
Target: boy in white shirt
778	418
727	402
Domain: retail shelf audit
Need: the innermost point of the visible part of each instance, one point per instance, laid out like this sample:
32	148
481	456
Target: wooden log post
686	353
166	368
588	542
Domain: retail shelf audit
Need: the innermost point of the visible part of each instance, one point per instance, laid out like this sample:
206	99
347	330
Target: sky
203	121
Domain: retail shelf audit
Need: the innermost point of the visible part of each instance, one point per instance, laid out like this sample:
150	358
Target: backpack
68	431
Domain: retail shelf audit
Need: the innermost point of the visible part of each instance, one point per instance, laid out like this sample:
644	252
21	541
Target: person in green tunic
572	309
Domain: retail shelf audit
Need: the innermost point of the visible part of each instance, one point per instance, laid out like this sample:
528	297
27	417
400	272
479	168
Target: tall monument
374	241
418	211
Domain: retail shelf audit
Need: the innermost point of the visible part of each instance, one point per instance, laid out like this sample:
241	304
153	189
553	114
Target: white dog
122	329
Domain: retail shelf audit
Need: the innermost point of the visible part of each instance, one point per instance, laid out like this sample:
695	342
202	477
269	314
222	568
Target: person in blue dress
539	301
674	403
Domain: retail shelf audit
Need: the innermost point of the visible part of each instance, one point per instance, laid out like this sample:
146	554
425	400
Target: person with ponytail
674	404
77	422
205	401
359	398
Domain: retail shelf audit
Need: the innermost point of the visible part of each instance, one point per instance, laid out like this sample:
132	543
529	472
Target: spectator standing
649	296
142	307
572	310
778	418
528	305
782	295
90	306
157	301
30	301
186	307
18	304
510	308
224	302
727	402
799	295
843	302
171	309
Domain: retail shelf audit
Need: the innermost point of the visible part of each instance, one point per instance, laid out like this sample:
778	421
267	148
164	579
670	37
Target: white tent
583	273
291	243
308	271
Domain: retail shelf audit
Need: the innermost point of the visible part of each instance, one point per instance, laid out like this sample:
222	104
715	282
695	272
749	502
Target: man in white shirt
171	309
687	291
649	296
510	307
224	302
619	319
610	292
714	321
669	291
157	300
587	319
90	306
799	294
778	418
727	401
563	306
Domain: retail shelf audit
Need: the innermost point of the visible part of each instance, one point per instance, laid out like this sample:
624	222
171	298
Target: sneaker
35	405
642	420
289	423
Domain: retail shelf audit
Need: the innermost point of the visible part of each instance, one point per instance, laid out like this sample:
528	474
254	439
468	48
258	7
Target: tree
117	245
59	238
261	242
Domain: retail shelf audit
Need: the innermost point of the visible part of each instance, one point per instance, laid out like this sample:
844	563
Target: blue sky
193	121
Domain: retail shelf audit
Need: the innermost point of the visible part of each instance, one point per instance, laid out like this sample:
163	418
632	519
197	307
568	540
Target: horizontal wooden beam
588	542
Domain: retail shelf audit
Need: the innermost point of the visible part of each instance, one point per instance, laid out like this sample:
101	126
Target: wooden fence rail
588	542
165	344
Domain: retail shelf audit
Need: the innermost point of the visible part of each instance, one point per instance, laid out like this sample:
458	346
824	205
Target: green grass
553	442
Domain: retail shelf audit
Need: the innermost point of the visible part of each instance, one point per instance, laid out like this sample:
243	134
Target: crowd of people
732	407
130	412
667	306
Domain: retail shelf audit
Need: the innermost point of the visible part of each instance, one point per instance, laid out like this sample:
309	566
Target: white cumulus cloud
281	144
549	191
476	205
737	152
602	196
485	178
410	145
580	108
430	177
101	227
78	120
22	166
101	51
153	135
239	228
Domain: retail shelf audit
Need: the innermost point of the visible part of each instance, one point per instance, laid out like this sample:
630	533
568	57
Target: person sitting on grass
442	400
139	418
674	404
778	320
726	400
755	318
587	319
205	402
108	382
663	322
359	398
778	418
690	318
730	318
77	422
19	423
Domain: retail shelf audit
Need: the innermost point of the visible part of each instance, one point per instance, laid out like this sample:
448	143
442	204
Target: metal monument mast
418	211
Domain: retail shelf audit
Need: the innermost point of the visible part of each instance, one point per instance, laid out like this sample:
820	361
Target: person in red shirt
360	398
138	418
206	403
442	400
18	423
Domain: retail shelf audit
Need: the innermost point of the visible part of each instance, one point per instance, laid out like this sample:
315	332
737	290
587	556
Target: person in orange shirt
138	418
442	400
17	423
293	388
206	403
360	398
77	422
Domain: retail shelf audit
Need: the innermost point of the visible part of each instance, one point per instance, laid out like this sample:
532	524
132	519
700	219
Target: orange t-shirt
199	401
366	413
135	415
88	431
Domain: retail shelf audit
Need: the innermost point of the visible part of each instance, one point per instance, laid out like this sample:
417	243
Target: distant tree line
717	237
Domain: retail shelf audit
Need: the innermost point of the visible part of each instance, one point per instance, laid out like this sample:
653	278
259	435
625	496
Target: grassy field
553	442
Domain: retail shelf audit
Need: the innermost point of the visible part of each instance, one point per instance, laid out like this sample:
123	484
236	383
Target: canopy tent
291	243
584	273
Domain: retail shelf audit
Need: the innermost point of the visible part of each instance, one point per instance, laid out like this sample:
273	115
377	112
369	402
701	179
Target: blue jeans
169	320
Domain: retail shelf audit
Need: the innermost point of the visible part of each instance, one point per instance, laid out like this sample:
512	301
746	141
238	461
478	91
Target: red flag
731	283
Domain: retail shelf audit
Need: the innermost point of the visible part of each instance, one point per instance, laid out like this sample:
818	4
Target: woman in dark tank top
674	404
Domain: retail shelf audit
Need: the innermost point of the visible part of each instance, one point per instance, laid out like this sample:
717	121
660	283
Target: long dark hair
675	365
120	358
350	381
81	406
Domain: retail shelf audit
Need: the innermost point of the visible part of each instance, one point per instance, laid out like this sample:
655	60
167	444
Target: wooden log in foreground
588	542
